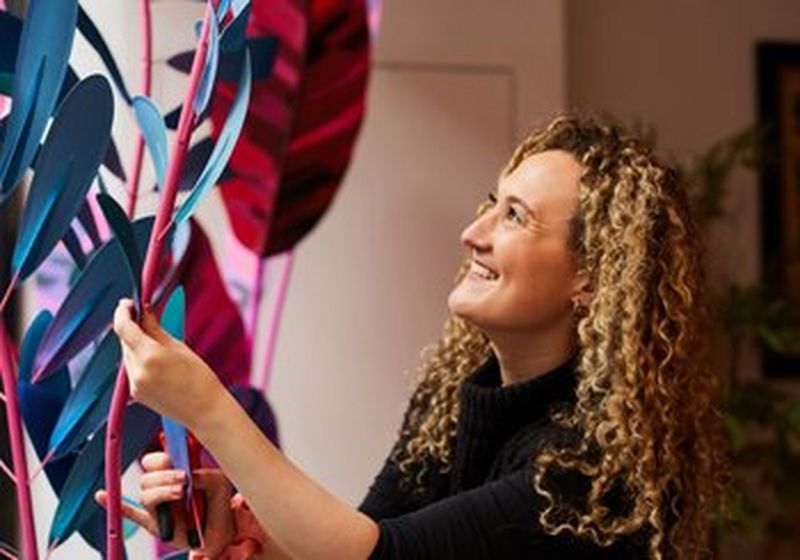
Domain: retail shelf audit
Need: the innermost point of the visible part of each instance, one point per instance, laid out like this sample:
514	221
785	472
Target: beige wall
688	67
453	82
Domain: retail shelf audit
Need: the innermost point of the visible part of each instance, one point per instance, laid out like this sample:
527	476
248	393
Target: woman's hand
160	484
164	374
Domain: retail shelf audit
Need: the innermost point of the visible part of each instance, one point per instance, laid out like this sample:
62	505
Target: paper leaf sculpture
282	83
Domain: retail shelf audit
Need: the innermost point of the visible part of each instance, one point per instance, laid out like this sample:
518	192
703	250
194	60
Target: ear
582	289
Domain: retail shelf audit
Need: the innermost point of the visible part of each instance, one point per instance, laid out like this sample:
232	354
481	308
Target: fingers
156	461
126	328
155	479
138	516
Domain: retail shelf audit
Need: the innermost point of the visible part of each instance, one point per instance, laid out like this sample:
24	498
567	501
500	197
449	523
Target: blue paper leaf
88	404
44	49
10	31
66	166
88	308
223	148
41	404
90	32
73	245
122	228
86	218
76	503
154	132
206	85
173	319
232	38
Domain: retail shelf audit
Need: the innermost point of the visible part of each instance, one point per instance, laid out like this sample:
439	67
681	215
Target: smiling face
523	274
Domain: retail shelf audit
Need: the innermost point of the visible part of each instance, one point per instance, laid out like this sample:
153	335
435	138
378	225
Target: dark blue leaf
90	32
76	502
73	245
88	308
223	148
66	166
233	36
112	162
41	404
88	404
259	410
86	218
44	50
171	119
10	31
122	228
263	53
182	61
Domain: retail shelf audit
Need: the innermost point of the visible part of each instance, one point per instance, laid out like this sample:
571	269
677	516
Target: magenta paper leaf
302	123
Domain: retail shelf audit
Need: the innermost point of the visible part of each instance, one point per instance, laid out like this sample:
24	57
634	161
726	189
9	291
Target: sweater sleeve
497	520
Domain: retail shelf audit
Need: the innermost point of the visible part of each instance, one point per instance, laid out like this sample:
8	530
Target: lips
481	270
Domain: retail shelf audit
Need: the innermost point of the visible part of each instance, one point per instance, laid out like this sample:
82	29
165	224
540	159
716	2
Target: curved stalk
276	313
113	468
146	39
8	368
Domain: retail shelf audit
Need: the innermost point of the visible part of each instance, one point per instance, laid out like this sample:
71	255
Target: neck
523	357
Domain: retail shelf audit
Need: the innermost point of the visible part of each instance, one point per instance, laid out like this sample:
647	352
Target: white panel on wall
370	284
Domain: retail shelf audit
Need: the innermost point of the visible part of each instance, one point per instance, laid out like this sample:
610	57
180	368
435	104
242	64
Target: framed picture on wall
778	94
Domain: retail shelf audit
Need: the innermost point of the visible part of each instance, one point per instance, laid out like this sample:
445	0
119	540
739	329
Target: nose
476	235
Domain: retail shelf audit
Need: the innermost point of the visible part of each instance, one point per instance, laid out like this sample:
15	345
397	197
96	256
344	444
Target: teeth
483	271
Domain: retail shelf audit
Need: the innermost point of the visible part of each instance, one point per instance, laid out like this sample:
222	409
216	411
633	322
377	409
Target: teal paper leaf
151	124
224	146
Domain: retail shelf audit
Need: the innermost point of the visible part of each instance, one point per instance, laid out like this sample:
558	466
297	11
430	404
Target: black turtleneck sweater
486	506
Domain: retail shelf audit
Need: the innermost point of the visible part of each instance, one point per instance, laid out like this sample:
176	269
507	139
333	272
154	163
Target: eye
490	202
514	215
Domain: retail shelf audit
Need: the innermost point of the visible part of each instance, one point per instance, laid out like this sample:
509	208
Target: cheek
539	278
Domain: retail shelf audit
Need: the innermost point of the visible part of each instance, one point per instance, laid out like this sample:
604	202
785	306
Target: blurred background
715	85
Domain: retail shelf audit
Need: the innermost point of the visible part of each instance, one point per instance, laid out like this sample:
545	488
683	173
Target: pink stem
146	39
275	320
8	370
8	472
9	291
119	400
255	300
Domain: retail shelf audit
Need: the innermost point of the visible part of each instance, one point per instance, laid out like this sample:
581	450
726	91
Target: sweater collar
486	402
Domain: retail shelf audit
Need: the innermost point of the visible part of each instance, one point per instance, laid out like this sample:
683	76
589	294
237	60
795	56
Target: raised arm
303	518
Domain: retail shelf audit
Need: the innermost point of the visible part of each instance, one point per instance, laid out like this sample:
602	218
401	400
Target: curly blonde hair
646	408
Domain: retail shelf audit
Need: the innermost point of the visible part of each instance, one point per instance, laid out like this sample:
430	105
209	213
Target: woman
568	410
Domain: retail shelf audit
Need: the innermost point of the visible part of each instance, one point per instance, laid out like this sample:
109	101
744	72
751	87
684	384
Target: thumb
129	333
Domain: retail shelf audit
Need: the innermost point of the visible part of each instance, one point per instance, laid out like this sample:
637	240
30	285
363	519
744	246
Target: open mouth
482	271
